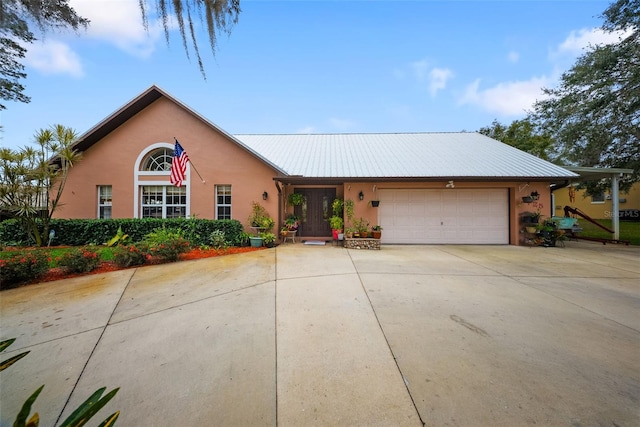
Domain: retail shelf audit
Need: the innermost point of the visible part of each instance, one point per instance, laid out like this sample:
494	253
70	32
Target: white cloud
119	23
515	98
513	56
509	98
54	57
438	79
577	41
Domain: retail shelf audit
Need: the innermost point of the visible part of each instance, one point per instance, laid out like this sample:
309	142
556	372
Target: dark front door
314	214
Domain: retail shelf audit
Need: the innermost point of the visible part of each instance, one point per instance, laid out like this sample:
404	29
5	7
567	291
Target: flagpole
192	165
194	168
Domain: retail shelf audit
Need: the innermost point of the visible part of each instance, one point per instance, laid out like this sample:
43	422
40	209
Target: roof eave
139	103
297	179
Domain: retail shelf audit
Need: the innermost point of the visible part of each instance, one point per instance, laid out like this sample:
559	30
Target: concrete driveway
320	335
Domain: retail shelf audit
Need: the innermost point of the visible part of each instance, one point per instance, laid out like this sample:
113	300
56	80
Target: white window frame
163	204
223	205
597	201
153	178
105	200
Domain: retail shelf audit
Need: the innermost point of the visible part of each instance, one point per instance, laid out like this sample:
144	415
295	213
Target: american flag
179	165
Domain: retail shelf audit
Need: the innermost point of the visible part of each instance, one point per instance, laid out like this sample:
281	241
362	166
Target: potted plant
549	232
292	222
255	241
268	239
376	232
337	207
259	218
532	218
337	224
349	206
362	226
295	199
349	232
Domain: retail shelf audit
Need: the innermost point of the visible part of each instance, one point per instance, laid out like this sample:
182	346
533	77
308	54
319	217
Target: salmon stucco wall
218	159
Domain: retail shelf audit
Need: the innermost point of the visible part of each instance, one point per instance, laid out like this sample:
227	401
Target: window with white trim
223	202
158	160
597	198
104	201
163	201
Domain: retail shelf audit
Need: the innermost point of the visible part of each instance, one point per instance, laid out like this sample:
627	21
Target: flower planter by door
256	242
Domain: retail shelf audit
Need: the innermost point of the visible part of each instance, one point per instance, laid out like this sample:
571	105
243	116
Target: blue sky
314	66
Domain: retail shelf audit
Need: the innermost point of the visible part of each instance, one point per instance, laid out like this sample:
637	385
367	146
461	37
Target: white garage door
444	216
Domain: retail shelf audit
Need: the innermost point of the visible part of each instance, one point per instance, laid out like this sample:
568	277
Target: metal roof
400	155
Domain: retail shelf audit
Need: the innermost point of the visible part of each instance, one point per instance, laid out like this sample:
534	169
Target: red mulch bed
105	267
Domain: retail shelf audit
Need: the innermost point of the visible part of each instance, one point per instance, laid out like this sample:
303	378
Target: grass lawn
628	230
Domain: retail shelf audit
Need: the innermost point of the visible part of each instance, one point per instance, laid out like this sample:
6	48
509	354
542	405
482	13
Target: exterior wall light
361	195
265	195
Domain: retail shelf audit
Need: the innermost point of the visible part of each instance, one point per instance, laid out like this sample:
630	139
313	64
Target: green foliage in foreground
629	231
79	417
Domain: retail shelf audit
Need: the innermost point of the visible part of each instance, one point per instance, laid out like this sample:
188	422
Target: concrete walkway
320	335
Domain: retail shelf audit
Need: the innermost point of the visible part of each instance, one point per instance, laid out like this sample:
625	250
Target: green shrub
242	239
218	239
167	243
22	267
78	232
80	260
127	256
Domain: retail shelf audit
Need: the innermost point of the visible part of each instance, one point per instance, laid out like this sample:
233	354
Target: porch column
615	204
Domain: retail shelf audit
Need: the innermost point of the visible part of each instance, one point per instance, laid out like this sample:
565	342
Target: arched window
154	195
158	160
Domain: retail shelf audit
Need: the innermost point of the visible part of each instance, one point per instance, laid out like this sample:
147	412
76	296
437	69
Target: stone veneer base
373	244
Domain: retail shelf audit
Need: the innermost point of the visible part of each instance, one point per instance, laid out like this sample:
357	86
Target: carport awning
593	174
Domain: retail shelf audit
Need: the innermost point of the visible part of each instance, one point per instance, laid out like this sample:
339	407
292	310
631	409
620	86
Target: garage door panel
401	196
445	216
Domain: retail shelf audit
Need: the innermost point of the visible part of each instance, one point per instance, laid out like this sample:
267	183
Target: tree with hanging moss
15	35
217	15
16	16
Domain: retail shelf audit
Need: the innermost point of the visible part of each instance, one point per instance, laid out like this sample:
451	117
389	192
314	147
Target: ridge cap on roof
354	133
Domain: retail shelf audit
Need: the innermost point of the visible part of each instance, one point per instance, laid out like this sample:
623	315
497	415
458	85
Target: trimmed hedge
79	232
